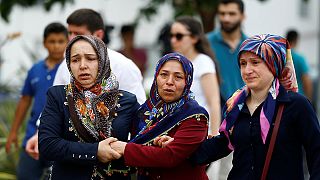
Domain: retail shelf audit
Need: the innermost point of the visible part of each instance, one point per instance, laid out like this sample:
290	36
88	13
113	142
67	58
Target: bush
8	162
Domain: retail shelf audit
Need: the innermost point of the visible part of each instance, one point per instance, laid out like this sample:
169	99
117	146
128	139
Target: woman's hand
119	146
162	141
105	152
32	147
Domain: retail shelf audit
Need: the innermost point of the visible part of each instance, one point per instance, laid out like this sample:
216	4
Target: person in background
79	119
164	39
301	66
170	110
303	78
225	43
188	38
39	79
250	117
138	55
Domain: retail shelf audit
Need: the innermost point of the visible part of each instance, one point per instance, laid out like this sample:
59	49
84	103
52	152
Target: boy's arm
22	108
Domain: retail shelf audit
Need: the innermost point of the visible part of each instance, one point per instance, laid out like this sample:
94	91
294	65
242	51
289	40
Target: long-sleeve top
299	127
58	141
171	161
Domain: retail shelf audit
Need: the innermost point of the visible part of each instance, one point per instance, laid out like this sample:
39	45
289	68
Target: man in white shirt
89	22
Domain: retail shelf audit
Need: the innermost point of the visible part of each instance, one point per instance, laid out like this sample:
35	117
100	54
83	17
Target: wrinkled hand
119	146
162	141
32	147
105	152
12	138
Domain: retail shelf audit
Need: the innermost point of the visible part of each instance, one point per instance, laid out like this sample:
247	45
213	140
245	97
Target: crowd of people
217	95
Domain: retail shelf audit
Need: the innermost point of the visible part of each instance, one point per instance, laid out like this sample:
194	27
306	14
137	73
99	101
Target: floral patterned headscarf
93	107
275	51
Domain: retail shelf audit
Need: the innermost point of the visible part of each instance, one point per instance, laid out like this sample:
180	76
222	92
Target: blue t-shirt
301	68
227	58
38	81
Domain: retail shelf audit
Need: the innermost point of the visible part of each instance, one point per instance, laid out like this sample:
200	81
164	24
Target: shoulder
212	35
297	57
38	65
297	98
121	64
116	57
298	103
193	108
203	64
127	99
58	90
203	58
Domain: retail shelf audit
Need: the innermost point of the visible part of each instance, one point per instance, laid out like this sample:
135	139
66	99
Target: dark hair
238	2
164	39
196	30
292	36
54	27
127	28
88	17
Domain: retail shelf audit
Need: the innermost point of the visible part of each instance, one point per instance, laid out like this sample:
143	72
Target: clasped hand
111	149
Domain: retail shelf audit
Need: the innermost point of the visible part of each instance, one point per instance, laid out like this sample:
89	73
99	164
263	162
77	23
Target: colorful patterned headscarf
275	51
94	107
157	115
188	70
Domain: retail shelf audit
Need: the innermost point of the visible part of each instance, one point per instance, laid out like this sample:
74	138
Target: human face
187	41
84	63
171	81
75	30
230	17
56	43
255	72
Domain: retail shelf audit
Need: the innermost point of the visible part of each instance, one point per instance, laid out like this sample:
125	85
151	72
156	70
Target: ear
99	34
243	17
44	44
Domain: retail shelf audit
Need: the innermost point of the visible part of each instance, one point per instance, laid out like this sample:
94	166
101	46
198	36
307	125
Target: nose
170	80
225	17
173	40
248	68
83	64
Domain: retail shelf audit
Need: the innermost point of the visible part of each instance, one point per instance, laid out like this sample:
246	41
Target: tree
206	9
7	5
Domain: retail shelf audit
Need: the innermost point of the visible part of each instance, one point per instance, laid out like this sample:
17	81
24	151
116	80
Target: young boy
40	77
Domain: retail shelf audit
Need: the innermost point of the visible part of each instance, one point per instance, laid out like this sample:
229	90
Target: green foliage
8	162
7	5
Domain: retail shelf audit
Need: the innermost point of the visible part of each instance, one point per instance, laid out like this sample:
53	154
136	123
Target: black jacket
299	127
58	141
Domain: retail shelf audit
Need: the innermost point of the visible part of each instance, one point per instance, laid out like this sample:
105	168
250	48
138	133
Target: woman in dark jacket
249	117
79	119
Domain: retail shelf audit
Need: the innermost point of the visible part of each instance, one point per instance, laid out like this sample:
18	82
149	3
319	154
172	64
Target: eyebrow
87	54
250	58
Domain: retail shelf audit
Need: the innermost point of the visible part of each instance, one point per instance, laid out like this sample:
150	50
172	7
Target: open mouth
168	90
84	76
